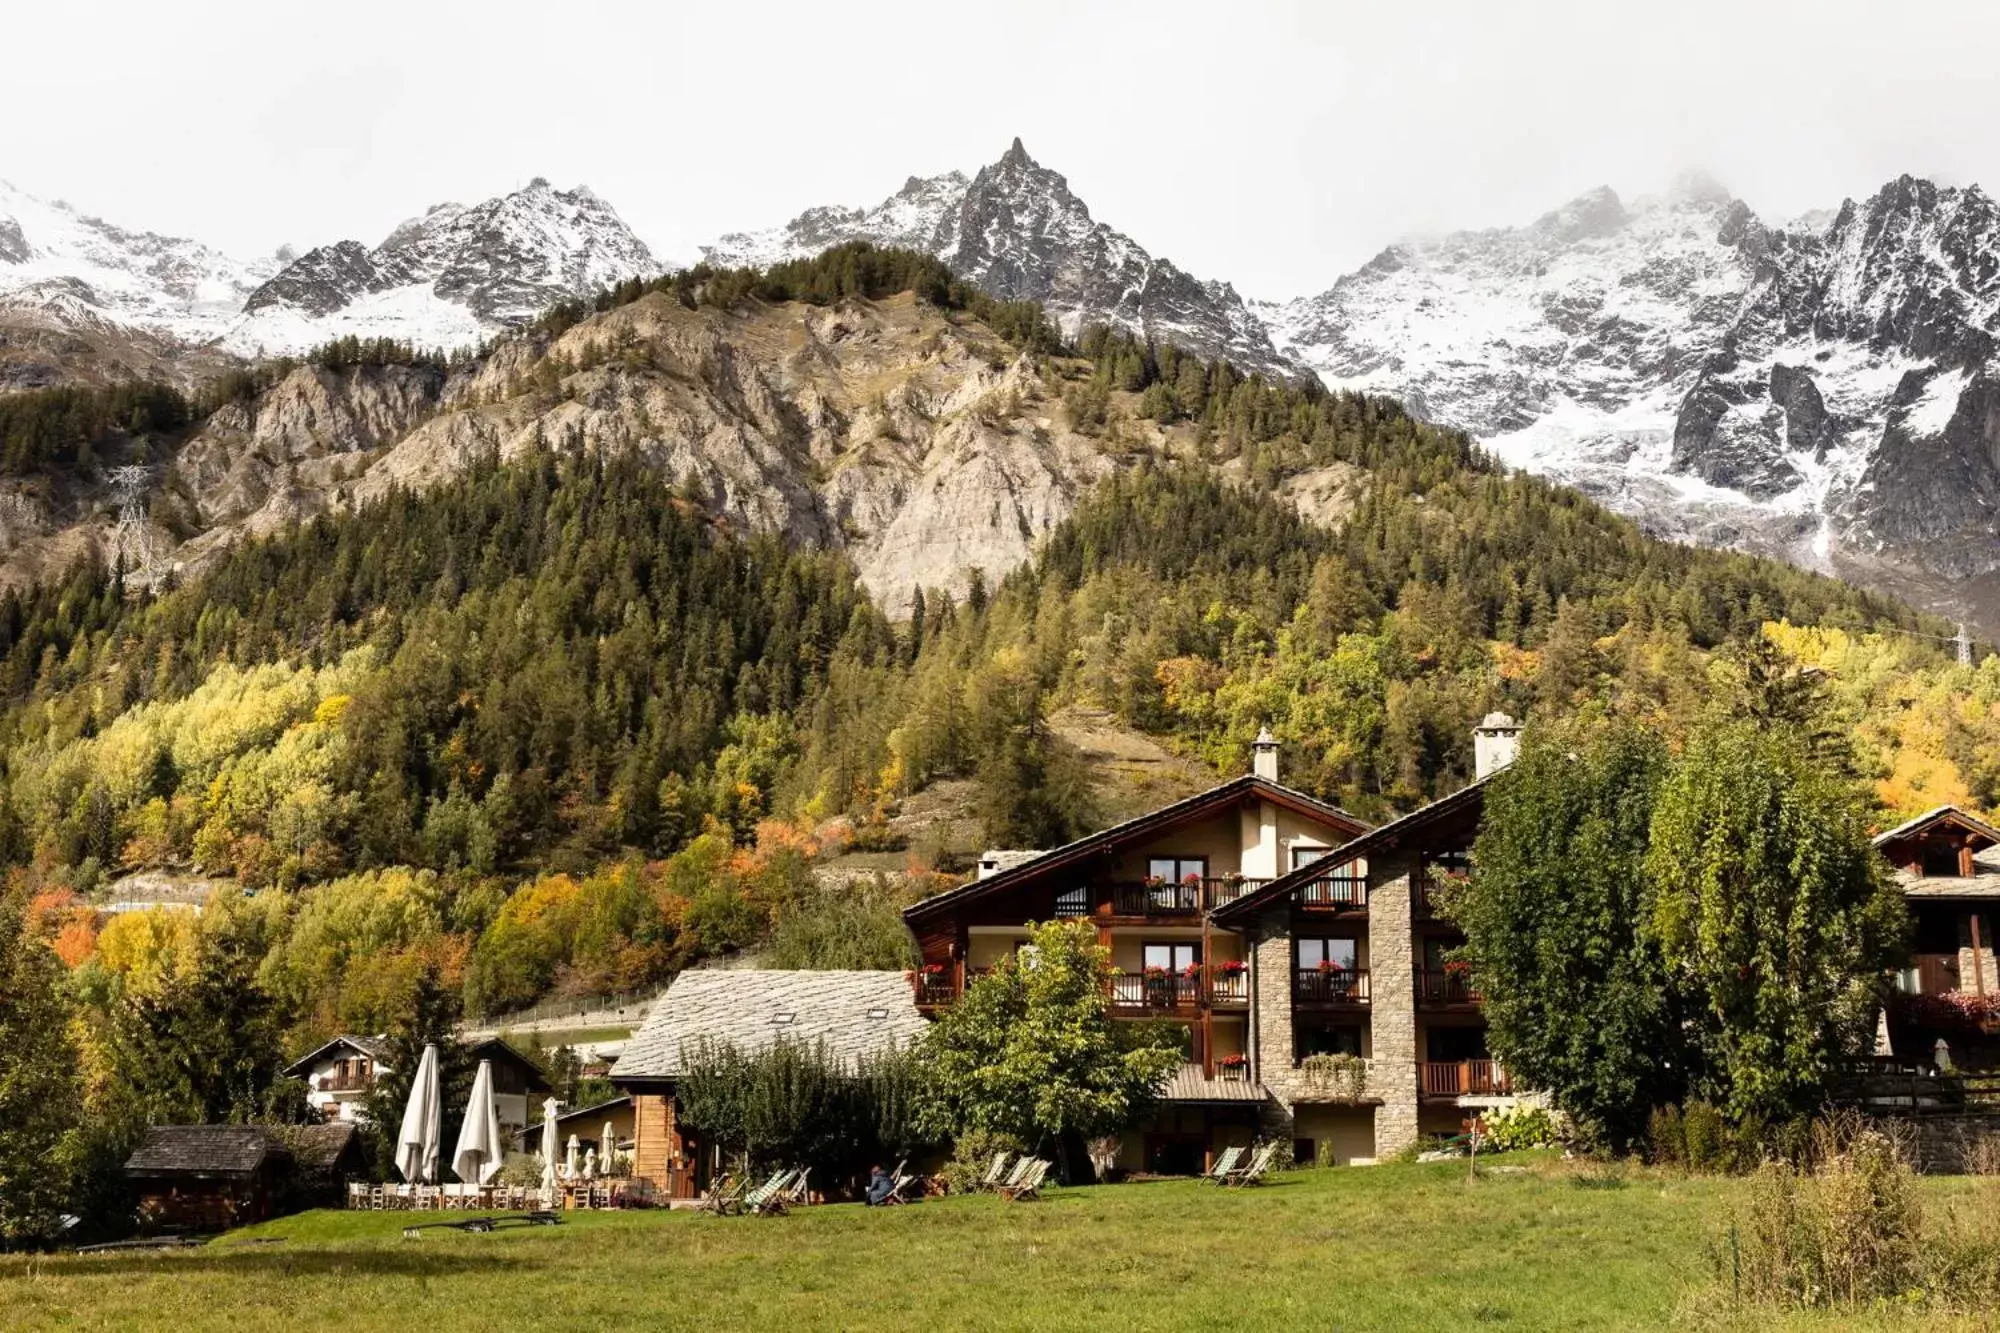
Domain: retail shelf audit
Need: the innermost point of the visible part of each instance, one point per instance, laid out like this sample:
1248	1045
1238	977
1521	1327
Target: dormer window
1941	862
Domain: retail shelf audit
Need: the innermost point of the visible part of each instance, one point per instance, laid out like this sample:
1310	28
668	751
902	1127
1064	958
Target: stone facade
1392	1005
1977	972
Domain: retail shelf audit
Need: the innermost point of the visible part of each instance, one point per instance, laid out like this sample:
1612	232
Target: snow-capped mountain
66	265
1017	230
1822	390
449	277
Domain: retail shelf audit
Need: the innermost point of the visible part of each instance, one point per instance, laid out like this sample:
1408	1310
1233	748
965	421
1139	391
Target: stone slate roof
855	1014
321	1147
226	1151
1189	1084
1929	817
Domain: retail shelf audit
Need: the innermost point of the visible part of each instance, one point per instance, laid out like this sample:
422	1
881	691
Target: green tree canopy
1773	913
1555	918
1031	1051
40	1089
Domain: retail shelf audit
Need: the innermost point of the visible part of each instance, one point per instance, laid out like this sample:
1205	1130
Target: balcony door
1168	982
1334	954
1173	873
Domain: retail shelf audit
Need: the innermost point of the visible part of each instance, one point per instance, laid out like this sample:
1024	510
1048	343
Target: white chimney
1264	756
1495	741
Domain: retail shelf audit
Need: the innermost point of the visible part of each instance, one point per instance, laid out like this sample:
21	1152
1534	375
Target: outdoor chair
768	1199
901	1184
800	1191
995	1173
1021	1169
1030	1184
725	1196
1254	1173
1224	1167
357	1194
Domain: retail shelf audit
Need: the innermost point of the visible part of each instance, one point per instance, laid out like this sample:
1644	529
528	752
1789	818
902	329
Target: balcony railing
1188	897
1174	990
1232	1073
1462	1078
347	1083
936	992
1330	985
1445	986
1334	892
1226	988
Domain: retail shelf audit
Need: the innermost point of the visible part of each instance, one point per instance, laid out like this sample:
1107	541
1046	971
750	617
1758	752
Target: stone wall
1392	1003
1977	972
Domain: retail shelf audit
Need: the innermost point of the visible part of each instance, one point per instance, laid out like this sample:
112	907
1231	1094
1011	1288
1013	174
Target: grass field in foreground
1390	1247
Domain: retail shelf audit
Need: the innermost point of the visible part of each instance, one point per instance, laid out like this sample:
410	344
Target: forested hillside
553	724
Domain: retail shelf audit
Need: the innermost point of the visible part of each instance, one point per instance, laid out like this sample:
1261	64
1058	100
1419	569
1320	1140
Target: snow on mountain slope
1820	391
449	277
58	262
1018	231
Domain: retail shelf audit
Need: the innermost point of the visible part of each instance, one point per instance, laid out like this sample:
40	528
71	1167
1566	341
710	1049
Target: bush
1515	1128
1847	1231
1343	1077
1698	1138
972	1158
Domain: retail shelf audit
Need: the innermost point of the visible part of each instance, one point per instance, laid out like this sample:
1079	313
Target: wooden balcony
346	1084
935	992
1329	986
1445	987
1335	891
1228	990
1171	992
1186	899
1462	1078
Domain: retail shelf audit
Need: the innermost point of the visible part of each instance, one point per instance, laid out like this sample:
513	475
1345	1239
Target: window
1344	1040
1940	862
1305	856
1176	869
1173	957
1173	891
1341	954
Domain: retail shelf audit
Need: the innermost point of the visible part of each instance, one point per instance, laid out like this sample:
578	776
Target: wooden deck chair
725	1196
1253	1174
768	1199
1021	1169
1030	1184
800	1191
1224	1167
901	1184
996	1172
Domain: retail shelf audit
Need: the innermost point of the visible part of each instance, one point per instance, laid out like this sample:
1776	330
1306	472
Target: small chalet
340	1076
855	1015
210	1177
587	1122
1947	863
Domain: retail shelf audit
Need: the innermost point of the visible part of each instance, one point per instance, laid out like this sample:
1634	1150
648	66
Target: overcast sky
1275	145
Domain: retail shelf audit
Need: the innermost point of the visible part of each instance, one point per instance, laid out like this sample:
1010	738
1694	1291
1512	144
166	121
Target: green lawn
1392	1247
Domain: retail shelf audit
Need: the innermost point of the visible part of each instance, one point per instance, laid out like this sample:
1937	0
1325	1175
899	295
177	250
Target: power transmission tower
132	536
1964	642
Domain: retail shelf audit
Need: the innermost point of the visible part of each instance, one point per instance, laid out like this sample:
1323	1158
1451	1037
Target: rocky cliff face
924	446
1016	229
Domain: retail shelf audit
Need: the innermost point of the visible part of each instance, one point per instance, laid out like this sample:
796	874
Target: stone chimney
1495	741
1264	756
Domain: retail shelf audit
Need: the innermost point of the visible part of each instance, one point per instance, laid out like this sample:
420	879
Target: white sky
1275	145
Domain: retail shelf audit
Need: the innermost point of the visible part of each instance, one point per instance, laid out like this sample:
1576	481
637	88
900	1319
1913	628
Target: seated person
880	1186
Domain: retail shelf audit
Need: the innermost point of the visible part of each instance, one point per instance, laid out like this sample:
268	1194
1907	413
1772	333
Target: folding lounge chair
1224	1166
1030	1184
1253	1174
1021	1169
768	1199
996	1172
799	1191
725	1196
903	1183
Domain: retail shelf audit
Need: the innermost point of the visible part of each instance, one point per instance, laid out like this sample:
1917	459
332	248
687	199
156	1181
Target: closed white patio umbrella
423	1119
590	1163
569	1160
481	1150
607	1147
550	1146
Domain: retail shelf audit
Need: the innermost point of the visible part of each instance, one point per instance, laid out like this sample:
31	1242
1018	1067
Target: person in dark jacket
880	1186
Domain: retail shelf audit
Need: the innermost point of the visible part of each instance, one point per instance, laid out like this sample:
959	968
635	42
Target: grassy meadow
1533	1244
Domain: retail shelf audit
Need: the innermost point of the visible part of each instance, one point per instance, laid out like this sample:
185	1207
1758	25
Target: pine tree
40	1090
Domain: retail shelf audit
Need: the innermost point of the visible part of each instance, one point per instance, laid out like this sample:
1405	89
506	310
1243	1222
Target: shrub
1515	1128
1845	1232
1342	1077
972	1157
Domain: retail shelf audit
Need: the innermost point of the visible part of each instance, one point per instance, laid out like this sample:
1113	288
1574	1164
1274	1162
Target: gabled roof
1942	814
217	1151
1467	800
1167	816
325	1146
501	1052
375	1048
597	1112
853	1014
1190	1084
